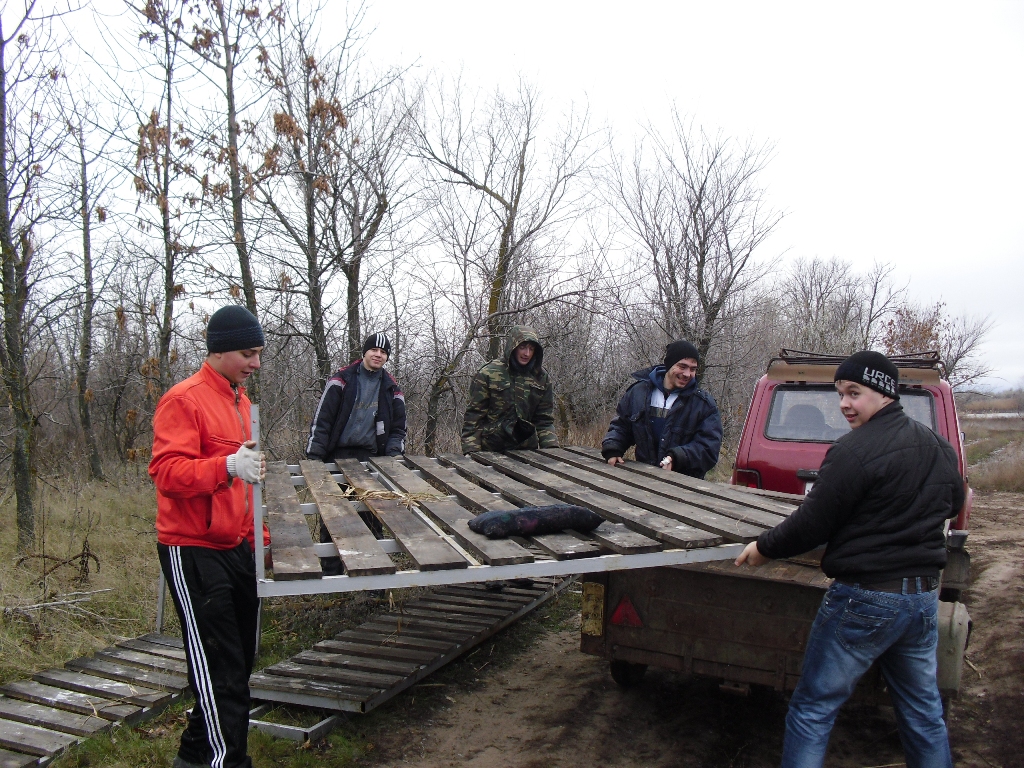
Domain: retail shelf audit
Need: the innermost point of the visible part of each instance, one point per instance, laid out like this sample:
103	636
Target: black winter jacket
692	434
335	407
882	494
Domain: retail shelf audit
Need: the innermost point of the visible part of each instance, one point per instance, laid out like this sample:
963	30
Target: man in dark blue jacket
672	422
362	411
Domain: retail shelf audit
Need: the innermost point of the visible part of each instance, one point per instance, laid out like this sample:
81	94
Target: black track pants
215	595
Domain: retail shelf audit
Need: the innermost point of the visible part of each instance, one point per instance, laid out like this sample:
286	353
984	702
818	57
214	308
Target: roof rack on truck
918	368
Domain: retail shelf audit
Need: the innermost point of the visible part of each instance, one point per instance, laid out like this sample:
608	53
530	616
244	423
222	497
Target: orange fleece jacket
199	423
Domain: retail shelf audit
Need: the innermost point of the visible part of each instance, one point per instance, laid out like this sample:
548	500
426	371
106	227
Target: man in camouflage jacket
511	401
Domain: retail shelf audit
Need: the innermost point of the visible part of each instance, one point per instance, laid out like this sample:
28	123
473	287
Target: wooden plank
697	517
33	740
618	538
706	487
360	553
91	685
375	651
71	701
474	590
561	546
418	626
395	640
168	640
659	482
54	719
453	517
16	759
343	676
428	550
457	606
132	675
143	660
491	606
566	546
332	693
291	546
154	649
613	536
360	663
637	519
448	618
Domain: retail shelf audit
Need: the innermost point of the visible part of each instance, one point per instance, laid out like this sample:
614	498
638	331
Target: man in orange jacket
204	462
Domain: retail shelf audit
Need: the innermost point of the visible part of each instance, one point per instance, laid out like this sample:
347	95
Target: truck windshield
811	414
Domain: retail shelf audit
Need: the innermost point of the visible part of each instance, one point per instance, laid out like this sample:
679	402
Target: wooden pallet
125	683
362	668
652	518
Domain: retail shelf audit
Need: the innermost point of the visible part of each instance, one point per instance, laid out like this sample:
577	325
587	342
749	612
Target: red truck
749	626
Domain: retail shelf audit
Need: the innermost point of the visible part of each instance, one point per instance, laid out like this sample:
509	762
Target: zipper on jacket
238	399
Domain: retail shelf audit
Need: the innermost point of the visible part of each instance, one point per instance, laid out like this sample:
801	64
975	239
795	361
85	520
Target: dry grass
995	453
116	519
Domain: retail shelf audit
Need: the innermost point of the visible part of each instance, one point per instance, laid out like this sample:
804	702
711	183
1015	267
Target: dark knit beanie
231	328
378	340
678	350
872	369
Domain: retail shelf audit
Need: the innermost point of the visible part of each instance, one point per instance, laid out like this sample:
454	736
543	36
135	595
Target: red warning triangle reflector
625	614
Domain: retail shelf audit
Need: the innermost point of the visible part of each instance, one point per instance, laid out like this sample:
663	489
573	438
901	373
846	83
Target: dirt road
550	705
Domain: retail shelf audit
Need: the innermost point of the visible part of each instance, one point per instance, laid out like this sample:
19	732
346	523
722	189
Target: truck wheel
626	674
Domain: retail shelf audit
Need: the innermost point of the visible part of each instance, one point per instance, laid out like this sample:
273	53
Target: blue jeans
853	628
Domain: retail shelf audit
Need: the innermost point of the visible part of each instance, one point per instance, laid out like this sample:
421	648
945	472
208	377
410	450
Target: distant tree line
220	151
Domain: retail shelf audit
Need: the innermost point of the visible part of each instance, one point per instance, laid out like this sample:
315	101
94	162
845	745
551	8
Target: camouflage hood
517	336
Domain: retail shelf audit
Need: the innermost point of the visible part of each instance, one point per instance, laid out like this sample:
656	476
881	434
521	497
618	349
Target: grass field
995	453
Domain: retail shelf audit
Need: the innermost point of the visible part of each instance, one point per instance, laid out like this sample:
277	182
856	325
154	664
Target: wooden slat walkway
128	682
362	668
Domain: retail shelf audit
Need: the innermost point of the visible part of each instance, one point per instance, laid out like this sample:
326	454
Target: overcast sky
898	127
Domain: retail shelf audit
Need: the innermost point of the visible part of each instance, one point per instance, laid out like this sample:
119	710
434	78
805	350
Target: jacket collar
220	385
655	376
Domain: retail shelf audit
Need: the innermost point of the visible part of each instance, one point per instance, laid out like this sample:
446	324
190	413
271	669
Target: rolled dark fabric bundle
533	521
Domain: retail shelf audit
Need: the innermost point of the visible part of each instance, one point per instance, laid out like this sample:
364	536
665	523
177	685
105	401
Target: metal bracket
296	733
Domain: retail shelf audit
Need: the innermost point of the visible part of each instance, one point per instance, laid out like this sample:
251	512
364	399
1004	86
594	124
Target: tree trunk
316	307
352	269
234	167
85	344
163	166
12	353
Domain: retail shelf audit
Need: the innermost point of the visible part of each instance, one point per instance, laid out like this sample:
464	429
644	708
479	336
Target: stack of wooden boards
646	510
128	682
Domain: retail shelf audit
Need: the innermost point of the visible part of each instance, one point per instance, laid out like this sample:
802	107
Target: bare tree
224	34
30	142
919	328
92	183
829	308
695	206
332	168
503	186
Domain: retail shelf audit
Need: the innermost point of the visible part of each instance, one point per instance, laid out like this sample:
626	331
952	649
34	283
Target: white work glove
246	463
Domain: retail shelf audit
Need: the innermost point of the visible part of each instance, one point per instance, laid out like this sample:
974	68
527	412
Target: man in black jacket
362	411
673	423
883	494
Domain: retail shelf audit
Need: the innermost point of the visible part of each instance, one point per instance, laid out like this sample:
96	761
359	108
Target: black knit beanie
678	350
872	369
378	340
231	328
